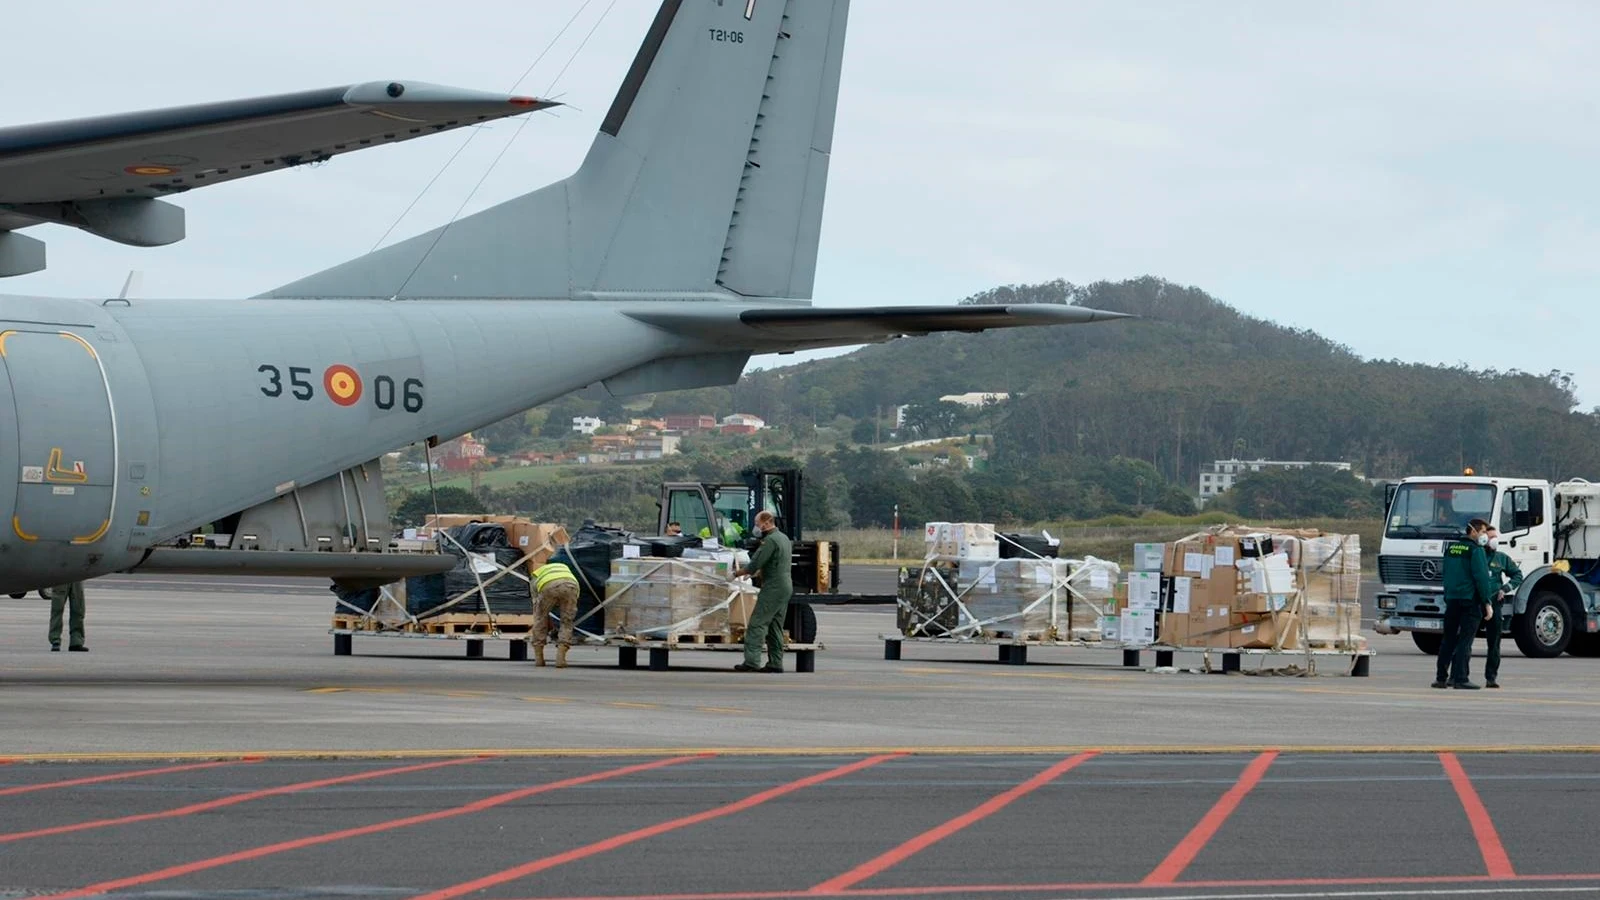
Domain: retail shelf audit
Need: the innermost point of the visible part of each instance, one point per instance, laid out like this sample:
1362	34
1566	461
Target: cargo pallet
1015	652
513	629
628	647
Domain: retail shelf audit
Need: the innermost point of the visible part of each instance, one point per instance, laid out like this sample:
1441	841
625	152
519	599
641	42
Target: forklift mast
780	491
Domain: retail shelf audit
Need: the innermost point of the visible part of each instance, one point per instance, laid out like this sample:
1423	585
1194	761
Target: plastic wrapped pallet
926	606
657	598
1092	586
1022	597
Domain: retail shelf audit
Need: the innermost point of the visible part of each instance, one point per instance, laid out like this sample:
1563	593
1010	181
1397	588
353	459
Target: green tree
507	435
1312	492
934	420
412	508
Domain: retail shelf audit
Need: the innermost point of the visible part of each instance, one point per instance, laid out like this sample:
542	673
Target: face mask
1492	543
1483	540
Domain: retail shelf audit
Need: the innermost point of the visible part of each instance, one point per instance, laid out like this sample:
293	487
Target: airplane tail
706	178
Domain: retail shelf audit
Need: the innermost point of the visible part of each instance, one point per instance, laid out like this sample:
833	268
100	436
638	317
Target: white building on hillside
587	424
1221	475
974	398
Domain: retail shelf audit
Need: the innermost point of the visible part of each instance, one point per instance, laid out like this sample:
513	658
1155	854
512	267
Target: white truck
1552	531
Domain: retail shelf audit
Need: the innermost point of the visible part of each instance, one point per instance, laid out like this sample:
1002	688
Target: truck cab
1553	612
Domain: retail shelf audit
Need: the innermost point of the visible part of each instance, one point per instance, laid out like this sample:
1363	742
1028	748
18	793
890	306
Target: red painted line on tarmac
232	800
1495	860
621	840
1098	886
120	776
214	862
1195	841
923	841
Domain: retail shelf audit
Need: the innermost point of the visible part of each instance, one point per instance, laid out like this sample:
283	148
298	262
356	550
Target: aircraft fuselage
136	421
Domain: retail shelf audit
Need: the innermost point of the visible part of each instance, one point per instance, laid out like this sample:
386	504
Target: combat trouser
62	598
562	594
1493	630
1461	620
766	629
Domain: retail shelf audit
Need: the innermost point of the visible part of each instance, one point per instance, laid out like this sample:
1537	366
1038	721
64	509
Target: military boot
538	655
561	656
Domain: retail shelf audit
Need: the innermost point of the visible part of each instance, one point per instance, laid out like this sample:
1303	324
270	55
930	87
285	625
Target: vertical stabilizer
708	174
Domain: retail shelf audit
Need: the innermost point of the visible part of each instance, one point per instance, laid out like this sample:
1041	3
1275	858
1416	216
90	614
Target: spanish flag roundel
343	385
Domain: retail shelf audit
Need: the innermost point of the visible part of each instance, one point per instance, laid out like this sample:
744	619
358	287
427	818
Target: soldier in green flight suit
770	566
1468	594
1507	577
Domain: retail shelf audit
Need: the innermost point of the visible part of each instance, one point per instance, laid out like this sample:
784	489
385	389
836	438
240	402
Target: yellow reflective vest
549	573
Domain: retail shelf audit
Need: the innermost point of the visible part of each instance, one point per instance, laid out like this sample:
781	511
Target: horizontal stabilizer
802	328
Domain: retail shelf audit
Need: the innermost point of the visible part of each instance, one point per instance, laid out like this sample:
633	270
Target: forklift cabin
727	513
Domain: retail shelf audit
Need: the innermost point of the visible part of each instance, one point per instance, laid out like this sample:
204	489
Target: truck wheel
1427	641
19	596
801	623
1584	644
1545	629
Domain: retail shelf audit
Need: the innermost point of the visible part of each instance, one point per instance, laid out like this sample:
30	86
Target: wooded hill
1105	420
1194	380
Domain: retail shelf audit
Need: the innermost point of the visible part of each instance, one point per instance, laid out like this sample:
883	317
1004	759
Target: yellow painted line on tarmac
936	751
723	709
429	692
544	699
623	704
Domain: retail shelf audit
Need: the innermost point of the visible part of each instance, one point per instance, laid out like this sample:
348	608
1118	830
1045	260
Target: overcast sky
1416	180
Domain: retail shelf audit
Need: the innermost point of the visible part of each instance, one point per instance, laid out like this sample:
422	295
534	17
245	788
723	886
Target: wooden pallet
703	637
462	623
459	623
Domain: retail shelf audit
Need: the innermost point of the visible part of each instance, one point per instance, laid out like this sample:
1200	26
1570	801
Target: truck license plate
1418	624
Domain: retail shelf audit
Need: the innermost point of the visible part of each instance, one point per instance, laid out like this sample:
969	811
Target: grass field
1112	541
493	478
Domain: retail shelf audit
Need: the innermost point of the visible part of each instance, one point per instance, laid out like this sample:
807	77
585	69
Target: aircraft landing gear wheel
1545	629
19	596
1428	642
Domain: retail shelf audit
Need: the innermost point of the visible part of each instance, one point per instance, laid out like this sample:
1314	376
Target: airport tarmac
211	745
180	668
699	827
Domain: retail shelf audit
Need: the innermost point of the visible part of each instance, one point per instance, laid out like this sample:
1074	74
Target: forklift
727	513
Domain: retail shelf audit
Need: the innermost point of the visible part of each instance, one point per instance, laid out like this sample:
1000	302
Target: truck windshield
1437	510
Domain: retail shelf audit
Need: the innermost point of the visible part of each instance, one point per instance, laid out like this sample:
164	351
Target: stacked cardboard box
656	598
541	539
961	540
1235	588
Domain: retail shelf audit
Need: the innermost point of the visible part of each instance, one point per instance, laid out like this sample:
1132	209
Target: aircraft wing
771	329
107	174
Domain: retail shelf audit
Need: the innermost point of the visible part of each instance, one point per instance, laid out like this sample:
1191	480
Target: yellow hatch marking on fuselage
54	472
80	342
16	525
97	535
